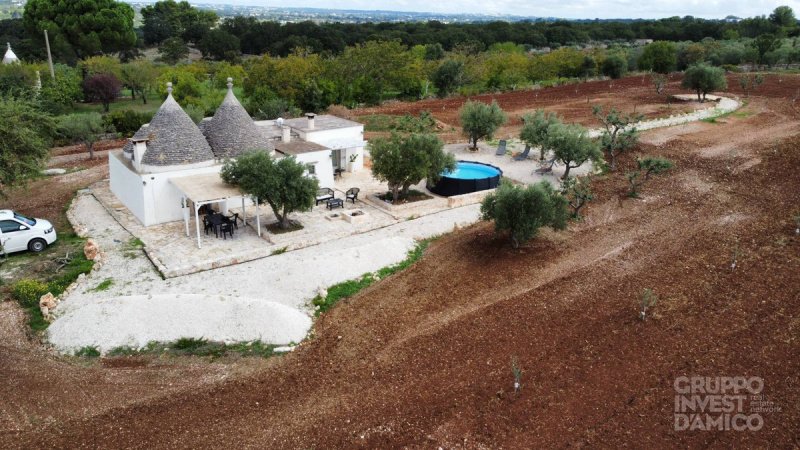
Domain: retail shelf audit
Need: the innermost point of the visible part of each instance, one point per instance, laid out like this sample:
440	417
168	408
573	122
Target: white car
19	233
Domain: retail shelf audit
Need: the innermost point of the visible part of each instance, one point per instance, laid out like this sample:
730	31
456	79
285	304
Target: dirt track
422	359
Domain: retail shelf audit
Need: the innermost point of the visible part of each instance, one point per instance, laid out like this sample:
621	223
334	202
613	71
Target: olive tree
523	210
281	183
578	192
618	134
480	120
572	146
85	129
27	134
703	79
535	127
646	167
403	161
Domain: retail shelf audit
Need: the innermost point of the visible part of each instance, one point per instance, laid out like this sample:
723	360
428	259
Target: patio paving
175	254
519	171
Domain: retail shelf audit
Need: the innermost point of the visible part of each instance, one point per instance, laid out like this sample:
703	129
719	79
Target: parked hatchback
19	233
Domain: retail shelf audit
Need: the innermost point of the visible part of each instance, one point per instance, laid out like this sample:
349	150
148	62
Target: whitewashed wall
331	139
322	166
126	185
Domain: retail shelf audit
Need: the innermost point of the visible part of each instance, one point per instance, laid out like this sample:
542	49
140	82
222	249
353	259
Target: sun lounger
501	148
524	155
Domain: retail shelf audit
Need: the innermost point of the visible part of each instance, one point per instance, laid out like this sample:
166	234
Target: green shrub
126	122
28	292
78	265
88	352
523	210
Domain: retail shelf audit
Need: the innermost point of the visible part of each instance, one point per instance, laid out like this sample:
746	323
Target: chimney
311	117
139	147
286	133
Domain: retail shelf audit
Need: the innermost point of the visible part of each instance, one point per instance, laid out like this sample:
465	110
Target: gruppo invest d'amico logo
721	403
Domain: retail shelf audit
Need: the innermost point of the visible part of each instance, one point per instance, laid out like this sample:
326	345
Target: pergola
205	189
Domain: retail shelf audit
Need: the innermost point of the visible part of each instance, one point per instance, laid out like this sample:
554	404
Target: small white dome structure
10	57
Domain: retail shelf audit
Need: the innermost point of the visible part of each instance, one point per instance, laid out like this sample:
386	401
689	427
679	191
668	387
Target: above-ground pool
469	176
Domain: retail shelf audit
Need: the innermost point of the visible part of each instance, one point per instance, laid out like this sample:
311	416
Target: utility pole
49	56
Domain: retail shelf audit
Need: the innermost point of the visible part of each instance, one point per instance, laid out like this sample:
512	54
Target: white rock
54	172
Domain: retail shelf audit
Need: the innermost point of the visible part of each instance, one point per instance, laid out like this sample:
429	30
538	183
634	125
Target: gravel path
89	318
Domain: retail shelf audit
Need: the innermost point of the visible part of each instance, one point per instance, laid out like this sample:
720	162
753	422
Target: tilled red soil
423	358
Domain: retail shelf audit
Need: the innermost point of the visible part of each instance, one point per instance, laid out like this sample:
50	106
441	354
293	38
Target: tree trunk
90	147
613	156
395	194
106	106
699	99
144	97
566	172
514	241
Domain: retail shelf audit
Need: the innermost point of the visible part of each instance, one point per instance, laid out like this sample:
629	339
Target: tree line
92	27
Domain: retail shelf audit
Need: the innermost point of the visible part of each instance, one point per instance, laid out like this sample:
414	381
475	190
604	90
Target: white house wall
322	166
332	139
126	185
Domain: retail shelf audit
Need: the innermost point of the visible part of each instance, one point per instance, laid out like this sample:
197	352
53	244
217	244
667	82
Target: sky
572	9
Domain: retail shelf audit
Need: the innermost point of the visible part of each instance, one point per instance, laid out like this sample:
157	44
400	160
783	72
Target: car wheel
37	245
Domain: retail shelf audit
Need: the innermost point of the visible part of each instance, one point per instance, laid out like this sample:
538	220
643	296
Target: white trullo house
173	146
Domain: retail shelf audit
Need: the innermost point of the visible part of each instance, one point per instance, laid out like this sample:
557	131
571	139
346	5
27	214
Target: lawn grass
349	288
196	347
123	103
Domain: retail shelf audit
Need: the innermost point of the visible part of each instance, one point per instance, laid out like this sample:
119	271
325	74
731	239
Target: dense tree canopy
403	161
660	57
78	29
27	133
170	19
281	183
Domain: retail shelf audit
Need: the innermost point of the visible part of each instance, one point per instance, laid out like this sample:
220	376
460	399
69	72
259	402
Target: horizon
562	9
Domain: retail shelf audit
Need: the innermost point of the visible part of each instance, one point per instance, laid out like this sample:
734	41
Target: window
25	220
311	168
9	226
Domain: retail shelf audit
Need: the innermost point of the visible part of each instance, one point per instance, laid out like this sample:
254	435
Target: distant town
288	14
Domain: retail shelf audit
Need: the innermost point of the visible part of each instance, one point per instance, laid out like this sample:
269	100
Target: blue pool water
470	171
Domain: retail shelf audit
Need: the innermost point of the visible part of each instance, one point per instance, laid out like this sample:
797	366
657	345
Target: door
336	159
15	235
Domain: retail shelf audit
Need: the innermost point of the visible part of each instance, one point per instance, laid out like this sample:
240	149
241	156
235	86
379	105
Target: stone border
393	210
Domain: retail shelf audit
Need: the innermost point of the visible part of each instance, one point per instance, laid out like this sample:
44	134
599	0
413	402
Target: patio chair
546	166
501	148
524	155
234	218
352	194
226	227
207	225
323	195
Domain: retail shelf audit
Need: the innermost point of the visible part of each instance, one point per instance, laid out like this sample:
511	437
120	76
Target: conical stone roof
10	57
232	131
172	137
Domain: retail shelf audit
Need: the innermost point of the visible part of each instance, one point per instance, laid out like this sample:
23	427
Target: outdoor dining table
216	221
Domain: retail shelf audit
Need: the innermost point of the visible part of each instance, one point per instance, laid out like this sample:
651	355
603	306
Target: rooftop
232	131
9	57
321	122
298	147
172	137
